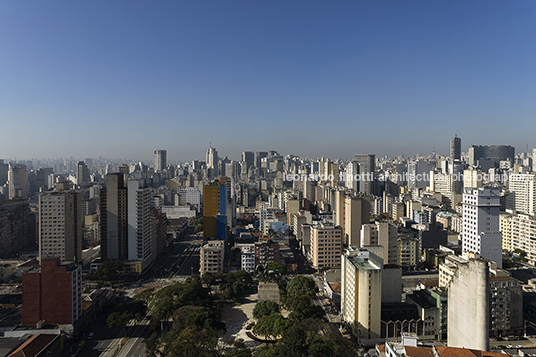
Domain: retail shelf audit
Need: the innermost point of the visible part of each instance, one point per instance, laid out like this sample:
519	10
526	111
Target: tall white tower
480	232
212	160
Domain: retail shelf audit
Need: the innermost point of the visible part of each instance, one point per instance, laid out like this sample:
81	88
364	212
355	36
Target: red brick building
52	294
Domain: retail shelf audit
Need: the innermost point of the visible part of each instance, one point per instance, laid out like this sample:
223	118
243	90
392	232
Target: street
179	260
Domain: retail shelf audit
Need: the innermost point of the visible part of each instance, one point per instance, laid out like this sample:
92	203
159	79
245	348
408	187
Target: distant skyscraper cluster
372	224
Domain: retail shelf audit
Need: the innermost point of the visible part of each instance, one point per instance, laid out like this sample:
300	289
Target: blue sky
311	78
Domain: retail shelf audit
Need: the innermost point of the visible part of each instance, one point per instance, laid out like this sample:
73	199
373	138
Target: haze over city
310	78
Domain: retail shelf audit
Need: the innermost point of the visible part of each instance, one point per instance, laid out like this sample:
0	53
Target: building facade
60	225
113	218
211	257
52	294
326	246
481	232
361	292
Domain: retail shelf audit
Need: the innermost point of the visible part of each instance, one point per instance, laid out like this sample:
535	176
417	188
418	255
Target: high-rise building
521	234
352	170
17	227
523	189
469	306
326	246
3	172
160	160
350	213
505	226
217	209
367	168
142	234
189	195
361	292
266	252
418	174
249	158
506	303
60	226
82	173
472	178
259	155
481	232
384	234
409	251
211	257
52	294
213	161
113	218
17	180
494	153
455	148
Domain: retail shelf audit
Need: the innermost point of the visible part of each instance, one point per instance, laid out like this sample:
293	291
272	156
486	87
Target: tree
243	352
191	342
122	315
301	285
163	309
109	270
205	318
151	345
294	342
320	347
302	308
208	278
277	267
271	326
265	308
145	295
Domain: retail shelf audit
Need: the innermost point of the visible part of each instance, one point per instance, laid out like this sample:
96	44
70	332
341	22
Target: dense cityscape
269	254
281	178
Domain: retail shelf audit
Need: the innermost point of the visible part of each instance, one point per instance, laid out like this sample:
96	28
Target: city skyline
308	78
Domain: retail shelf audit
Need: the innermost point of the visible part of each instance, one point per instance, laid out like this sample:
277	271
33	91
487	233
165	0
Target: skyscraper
361	292
17	180
212	161
367	167
455	148
141	230
113	218
258	157
82	173
469	305
160	160
494	153
480	233
3	172
523	189
249	158
60	226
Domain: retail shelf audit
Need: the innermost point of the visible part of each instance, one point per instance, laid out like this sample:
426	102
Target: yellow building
361	293
211	208
505	226
325	246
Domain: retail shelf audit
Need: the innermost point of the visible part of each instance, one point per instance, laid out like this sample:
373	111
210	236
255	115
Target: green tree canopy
109	270
301	285
277	267
272	326
265	308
